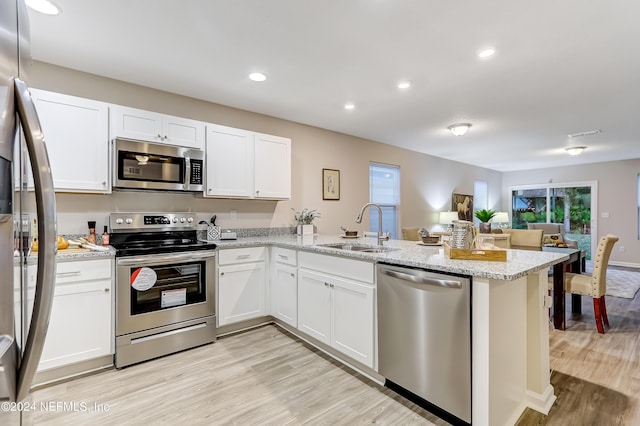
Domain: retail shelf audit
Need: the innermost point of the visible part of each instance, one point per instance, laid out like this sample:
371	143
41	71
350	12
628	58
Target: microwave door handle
47	244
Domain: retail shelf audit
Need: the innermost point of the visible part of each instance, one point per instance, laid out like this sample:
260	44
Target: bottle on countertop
92	232
105	237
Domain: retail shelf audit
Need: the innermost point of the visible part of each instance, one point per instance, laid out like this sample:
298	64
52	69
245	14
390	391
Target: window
384	190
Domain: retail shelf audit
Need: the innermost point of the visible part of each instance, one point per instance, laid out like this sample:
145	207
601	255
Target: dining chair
411	234
594	284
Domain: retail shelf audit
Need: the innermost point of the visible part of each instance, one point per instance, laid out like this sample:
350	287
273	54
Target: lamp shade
500	217
446	218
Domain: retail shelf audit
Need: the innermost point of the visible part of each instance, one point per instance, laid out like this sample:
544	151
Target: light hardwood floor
596	377
266	376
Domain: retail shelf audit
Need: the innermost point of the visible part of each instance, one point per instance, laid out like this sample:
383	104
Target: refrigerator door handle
47	237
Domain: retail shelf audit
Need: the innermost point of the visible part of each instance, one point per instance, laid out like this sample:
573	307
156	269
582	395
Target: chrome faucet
359	219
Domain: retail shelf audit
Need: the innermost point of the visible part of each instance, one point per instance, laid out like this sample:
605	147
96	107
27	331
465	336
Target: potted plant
304	220
484	216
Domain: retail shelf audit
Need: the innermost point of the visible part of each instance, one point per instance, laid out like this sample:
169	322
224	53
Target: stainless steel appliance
424	337
22	330
165	285
146	165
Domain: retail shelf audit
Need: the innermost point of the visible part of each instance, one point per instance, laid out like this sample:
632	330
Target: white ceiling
561	67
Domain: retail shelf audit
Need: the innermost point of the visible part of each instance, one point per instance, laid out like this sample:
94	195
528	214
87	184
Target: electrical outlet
623	249
233	214
605	215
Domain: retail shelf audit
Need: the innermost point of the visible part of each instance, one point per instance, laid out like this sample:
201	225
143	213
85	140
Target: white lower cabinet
80	327
284	286
241	284
338	311
81	318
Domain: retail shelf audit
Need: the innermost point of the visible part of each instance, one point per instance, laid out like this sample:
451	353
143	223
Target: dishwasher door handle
421	280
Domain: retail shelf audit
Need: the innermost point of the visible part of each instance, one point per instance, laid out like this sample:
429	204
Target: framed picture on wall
463	204
330	184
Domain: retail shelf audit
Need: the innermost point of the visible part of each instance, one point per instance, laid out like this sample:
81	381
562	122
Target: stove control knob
128	221
119	220
189	219
175	220
183	220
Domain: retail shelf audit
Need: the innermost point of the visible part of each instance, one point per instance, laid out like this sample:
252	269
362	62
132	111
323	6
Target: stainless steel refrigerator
27	199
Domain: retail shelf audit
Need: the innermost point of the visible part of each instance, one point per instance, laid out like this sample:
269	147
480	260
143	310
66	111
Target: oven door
161	289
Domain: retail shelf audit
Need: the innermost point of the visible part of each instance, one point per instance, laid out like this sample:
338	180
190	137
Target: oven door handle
165	258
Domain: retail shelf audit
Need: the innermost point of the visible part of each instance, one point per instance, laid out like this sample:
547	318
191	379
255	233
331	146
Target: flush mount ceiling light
44	6
487	52
404	84
459	129
575	150
257	76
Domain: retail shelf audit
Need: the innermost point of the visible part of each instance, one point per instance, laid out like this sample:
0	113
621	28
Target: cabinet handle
67	274
165	137
282	256
106	290
243	256
104	183
257	192
293	275
221	273
331	285
326	284
159	136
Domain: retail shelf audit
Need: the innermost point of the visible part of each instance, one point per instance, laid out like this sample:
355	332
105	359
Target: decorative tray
475	254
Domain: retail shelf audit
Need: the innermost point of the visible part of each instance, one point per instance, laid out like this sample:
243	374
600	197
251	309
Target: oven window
154	288
148	167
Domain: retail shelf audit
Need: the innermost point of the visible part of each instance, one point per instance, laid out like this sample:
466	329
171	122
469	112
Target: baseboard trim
541	402
625	264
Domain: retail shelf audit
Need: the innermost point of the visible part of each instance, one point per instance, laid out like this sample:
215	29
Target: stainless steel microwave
145	165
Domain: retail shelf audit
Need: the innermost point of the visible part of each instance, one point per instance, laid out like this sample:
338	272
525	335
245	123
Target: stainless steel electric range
165	285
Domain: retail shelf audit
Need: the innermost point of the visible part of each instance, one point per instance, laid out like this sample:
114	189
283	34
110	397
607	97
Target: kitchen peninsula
509	315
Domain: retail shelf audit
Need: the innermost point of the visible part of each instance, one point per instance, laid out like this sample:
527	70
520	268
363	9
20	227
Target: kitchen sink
359	247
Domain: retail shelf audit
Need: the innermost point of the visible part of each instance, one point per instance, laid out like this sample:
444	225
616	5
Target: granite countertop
519	262
408	253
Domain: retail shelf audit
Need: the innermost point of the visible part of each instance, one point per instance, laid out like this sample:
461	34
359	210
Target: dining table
575	264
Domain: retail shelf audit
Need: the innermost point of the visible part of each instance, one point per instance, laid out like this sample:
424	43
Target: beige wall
617	195
427	182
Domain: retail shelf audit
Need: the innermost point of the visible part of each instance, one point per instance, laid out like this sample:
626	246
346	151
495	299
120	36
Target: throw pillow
554	239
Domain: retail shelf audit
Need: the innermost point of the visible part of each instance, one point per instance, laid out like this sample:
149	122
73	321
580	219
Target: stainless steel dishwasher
424	336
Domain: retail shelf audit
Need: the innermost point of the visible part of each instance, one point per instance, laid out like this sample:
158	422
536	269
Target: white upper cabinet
244	164
76	132
229	158
272	165
155	127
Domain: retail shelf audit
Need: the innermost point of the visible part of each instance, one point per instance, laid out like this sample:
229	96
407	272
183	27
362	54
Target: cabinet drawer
241	255
340	266
83	270
282	255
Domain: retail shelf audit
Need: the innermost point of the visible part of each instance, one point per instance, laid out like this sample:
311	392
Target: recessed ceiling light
44	6
349	106
257	76
485	53
404	84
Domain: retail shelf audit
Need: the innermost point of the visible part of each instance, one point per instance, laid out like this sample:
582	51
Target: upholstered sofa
553	233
